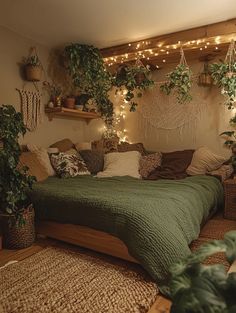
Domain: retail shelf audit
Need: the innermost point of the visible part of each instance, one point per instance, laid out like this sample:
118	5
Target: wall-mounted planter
205	80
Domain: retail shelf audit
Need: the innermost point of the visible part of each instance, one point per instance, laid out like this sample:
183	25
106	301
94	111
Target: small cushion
43	158
173	165
63	145
106	145
71	151
125	146
121	164
36	168
148	163
94	160
204	160
222	173
67	165
83	146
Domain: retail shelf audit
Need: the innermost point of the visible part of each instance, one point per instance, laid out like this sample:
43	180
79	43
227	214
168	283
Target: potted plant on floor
16	212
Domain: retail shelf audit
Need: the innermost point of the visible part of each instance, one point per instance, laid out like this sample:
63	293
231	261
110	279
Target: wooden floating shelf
70	113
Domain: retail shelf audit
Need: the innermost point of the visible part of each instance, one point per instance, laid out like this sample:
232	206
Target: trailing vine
89	74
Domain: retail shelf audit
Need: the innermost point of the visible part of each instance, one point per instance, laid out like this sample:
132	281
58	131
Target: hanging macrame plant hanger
230	59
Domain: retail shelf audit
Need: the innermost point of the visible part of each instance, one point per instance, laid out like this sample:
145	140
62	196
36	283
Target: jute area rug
66	281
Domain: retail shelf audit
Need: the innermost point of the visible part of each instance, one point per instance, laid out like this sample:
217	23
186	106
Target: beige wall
212	121
12	48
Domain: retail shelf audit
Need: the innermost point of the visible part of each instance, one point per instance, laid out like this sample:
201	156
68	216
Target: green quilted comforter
157	220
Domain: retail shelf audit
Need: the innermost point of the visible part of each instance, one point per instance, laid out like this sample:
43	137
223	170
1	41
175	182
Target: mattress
157	220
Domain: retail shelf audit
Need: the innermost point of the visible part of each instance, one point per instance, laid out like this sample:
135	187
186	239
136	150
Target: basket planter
70	103
33	72
19	236
139	78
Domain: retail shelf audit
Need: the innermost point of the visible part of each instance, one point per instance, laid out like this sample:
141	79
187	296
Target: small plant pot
33	73
205	79
70	103
79	107
17	236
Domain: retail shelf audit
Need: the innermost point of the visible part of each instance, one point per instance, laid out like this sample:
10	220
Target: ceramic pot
70	102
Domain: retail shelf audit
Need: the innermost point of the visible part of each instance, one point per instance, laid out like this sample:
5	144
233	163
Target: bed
149	222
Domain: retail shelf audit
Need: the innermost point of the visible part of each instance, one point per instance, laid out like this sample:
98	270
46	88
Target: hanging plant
33	66
87	69
224	75
179	81
204	78
134	79
205	288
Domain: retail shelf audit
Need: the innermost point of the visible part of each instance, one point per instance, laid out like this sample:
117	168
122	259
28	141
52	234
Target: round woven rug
65	281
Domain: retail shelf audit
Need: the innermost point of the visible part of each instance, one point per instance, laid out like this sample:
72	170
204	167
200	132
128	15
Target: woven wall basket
16	236
33	73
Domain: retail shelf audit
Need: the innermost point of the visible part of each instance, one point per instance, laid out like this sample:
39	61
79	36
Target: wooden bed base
85	237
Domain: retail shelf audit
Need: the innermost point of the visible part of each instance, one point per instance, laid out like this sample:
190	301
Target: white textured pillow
43	158
203	161
121	164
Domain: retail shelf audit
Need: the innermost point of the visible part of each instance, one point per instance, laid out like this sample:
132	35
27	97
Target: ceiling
106	23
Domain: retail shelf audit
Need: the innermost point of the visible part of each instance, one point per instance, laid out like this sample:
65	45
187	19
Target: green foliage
224	76
197	288
13	182
127	77
32	60
86	67
180	81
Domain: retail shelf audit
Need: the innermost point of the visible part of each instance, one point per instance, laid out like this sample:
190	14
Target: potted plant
90	76
54	92
197	288
133	79
69	102
16	211
224	76
33	67
179	81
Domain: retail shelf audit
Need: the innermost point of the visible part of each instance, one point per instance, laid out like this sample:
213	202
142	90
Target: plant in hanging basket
204	78
198	288
179	81
33	68
89	74
15	210
134	79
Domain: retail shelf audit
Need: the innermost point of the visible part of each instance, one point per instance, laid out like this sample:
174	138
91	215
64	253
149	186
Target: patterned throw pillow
223	173
148	163
125	147
94	160
67	165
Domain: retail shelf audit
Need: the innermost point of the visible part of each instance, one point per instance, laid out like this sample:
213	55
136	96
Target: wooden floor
161	305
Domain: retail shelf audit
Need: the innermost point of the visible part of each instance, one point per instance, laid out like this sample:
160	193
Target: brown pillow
106	145
36	168
173	166
93	159
63	145
125	147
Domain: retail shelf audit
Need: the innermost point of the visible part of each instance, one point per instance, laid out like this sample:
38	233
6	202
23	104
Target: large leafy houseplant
133	79
197	288
89	74
14	180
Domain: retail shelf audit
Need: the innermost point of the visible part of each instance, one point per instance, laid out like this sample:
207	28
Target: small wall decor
33	66
179	80
204	78
31	107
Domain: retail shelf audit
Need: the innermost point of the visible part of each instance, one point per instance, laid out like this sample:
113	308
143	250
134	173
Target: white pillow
43	158
203	161
121	164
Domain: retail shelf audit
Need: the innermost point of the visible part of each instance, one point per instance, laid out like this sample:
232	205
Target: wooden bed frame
85	237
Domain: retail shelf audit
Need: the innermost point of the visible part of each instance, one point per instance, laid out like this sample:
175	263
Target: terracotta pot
17	236
70	103
33	73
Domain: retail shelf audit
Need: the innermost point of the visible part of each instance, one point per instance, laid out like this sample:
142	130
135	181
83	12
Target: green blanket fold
157	220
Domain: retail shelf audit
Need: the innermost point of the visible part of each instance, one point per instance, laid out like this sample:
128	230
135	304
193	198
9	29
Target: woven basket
230	199
33	73
18	237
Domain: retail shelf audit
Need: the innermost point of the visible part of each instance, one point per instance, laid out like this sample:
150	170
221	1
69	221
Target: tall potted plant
16	212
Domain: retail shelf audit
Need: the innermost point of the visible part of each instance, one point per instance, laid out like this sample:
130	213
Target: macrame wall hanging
31	107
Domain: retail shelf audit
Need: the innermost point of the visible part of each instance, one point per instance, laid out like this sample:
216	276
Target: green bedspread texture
157	220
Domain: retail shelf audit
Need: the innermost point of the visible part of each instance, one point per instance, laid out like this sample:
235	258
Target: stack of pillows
104	159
